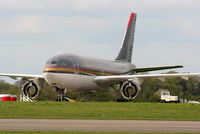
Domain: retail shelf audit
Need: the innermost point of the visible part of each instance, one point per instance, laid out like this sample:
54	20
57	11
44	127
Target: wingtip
180	66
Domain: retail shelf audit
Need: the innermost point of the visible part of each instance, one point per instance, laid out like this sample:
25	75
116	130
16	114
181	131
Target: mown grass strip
99	110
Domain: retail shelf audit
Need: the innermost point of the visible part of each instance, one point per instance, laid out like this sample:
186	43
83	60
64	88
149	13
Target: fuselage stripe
69	70
80	68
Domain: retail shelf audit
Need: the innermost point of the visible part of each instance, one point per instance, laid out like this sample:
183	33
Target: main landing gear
61	94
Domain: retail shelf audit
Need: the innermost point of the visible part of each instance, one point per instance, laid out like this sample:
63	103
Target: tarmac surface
99	125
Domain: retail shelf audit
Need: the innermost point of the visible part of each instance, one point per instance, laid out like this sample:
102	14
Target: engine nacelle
130	89
30	89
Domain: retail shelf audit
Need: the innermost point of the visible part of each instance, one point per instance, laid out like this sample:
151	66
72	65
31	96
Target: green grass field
48	132
100	110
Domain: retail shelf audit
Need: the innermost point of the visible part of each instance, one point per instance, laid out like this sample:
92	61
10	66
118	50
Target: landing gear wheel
61	94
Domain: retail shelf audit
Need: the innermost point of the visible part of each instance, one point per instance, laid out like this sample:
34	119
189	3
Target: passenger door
75	65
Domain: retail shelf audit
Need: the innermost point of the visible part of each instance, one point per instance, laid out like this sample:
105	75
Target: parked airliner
80	73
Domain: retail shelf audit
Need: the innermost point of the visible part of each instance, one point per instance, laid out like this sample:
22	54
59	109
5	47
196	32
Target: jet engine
30	89
130	89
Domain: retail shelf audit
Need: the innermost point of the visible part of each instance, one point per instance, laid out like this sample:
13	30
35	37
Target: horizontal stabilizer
140	70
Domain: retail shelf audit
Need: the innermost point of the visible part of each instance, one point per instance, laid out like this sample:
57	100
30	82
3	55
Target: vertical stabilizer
125	53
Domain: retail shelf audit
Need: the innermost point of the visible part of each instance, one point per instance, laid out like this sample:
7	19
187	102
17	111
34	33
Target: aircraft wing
139	70
121	78
14	76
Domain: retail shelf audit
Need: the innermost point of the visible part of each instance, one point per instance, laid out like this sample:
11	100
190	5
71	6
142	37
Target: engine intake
30	89
130	89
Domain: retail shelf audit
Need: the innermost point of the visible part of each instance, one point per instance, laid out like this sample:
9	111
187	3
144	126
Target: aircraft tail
125	53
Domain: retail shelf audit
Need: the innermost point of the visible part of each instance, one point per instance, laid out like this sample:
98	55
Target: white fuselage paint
71	81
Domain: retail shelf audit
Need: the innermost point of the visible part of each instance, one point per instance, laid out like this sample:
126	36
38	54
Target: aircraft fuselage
75	72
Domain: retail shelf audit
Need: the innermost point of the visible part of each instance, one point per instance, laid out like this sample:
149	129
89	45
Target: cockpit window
53	62
65	62
62	62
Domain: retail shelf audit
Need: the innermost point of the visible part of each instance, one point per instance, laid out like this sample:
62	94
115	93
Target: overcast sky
31	31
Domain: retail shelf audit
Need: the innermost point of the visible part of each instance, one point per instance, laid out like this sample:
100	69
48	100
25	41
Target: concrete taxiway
99	125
